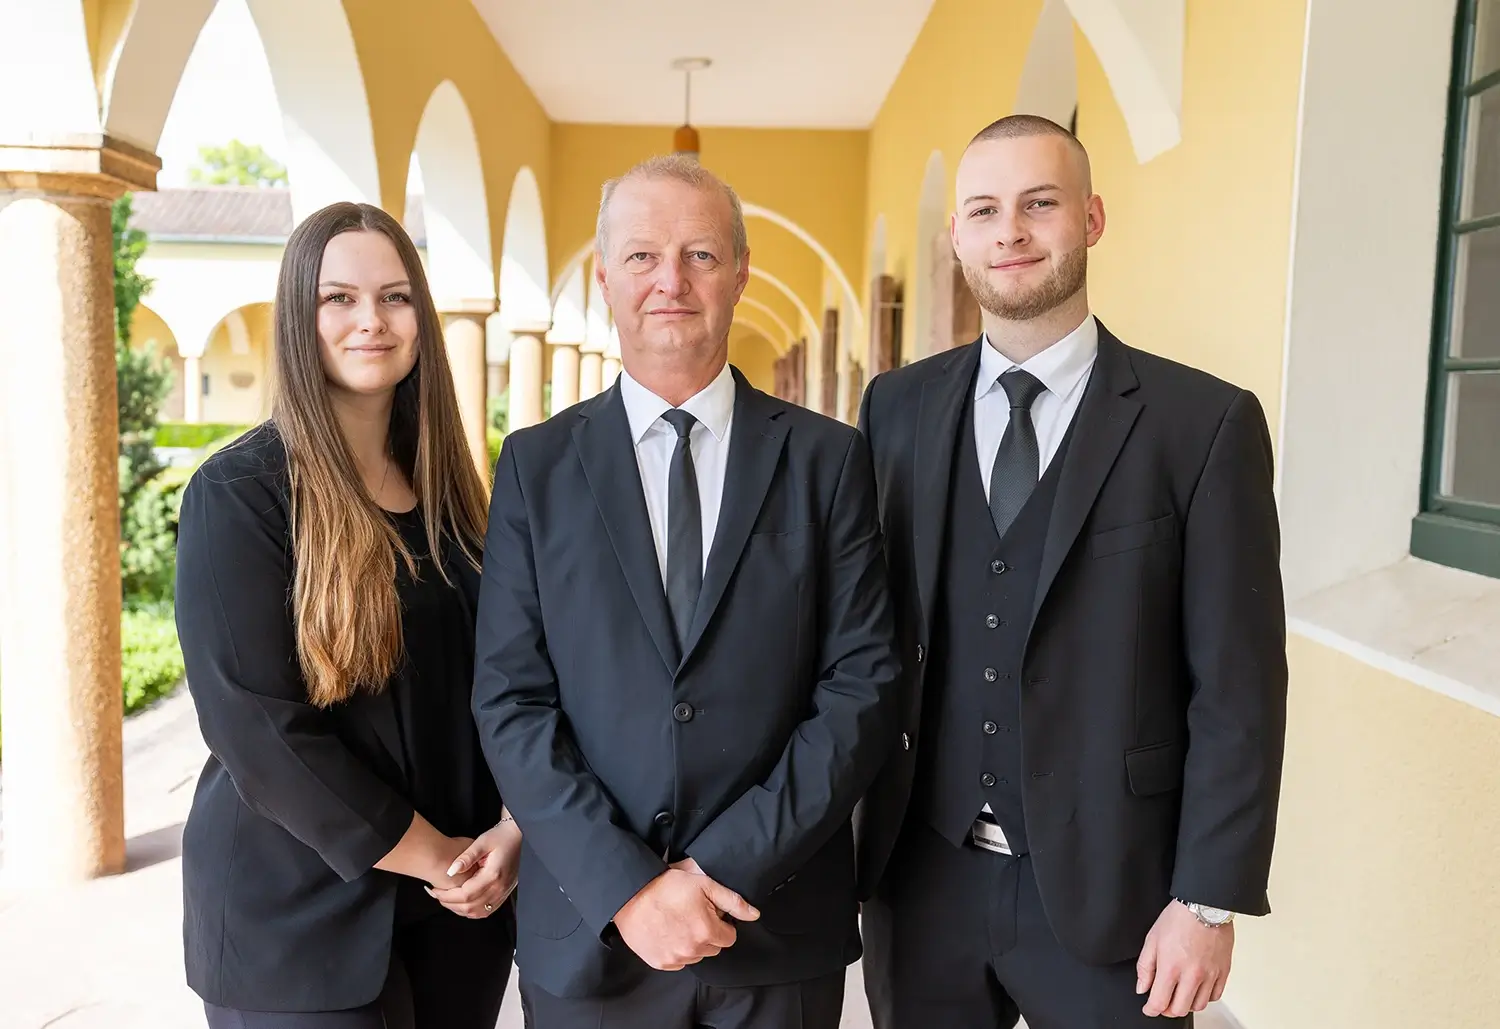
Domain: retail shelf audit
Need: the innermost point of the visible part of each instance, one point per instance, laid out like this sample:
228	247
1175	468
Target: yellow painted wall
754	356
1193	261
1385	894
775	250
406	56
104	23
815	178
939	100
226	401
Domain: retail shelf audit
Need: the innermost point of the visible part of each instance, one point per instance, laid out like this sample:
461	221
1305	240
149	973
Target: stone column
463	333
590	374
59	508
498	376
566	360
610	370
527	349
192	388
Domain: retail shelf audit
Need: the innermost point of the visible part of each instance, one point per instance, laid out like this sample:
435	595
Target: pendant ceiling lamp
685	139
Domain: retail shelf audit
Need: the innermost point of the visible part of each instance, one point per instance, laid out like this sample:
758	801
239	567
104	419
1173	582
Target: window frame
1448	530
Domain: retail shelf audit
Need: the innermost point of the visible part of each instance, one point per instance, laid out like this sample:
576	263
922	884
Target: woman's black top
283	909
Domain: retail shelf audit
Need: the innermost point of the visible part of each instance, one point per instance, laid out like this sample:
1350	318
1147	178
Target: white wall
1359	324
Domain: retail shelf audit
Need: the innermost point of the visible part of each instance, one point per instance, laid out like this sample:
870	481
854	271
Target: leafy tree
237	164
147	514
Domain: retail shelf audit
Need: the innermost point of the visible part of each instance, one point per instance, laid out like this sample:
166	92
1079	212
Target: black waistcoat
971	738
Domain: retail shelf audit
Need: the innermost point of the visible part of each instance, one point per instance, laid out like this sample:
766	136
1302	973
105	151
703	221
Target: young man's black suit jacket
1153	683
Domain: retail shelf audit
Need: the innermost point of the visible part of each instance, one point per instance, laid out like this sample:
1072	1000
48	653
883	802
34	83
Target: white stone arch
239	366
1049	78
150	329
597	313
933	285
766	333
315	70
877	250
191	296
461	266
525	300
776	218
46	72
1140	45
765	310
813	325
570	309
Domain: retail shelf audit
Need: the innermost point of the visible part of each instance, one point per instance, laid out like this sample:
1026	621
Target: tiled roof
233	212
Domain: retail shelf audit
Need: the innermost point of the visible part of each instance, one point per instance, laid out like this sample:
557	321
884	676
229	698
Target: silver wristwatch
1209	916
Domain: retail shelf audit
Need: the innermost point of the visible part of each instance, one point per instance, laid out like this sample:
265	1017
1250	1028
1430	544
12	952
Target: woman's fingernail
456	867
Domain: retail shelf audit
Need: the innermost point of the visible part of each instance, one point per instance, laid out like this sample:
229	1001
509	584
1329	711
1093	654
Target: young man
1084	565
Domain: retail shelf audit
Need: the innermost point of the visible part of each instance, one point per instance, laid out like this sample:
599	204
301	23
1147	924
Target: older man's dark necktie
684	528
1018	460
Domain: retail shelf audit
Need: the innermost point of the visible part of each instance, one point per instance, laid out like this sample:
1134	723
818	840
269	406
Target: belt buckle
990	837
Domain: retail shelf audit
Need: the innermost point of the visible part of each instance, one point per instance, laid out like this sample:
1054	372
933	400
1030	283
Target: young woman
347	862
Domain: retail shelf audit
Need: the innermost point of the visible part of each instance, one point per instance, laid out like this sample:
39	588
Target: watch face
1214	915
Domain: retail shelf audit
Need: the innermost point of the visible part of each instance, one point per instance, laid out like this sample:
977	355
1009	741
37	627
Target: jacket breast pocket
787	539
1133	536
1154	769
789	547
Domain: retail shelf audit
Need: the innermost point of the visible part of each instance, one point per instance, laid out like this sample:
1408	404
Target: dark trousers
956	938
446	972
677	1000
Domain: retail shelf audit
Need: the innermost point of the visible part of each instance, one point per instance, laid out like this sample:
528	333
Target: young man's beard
1024	305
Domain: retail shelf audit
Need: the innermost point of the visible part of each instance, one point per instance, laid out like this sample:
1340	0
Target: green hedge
150	659
189	434
494	439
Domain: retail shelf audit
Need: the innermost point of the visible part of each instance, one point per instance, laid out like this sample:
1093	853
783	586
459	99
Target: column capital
475	307
86	164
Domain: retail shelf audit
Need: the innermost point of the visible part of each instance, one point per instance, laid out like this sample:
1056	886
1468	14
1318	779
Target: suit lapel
755	445
1104	419
605	446
938	420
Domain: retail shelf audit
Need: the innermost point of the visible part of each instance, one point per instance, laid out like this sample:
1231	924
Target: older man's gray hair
678	169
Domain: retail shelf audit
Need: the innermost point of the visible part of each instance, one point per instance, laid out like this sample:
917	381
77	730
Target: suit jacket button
990	728
664	819
987	779
997	566
683	712
921	653
905	742
990	675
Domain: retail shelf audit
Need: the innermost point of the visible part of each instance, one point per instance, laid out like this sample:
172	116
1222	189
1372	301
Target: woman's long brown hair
347	616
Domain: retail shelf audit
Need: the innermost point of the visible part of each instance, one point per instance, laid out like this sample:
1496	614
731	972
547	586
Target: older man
685	657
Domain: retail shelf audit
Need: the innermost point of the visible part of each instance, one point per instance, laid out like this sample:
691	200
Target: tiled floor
108	954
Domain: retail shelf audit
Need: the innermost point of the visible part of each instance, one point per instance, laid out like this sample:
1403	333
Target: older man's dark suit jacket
747	751
1153	685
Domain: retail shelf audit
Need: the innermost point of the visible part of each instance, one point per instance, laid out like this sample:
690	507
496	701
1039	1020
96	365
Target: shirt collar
713	405
1060	368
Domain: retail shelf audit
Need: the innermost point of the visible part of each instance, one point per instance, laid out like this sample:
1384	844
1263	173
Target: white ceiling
787	63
